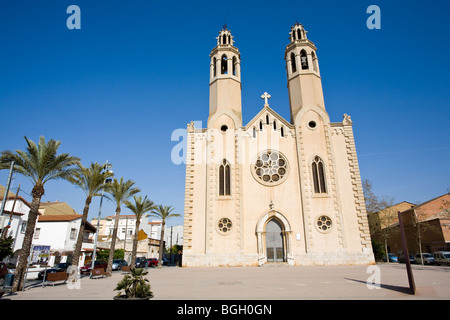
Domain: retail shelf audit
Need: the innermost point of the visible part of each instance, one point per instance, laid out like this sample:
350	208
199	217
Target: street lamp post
108	166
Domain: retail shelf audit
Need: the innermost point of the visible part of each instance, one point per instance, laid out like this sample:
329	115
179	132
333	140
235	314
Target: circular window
270	168
224	128
324	223
312	124
224	225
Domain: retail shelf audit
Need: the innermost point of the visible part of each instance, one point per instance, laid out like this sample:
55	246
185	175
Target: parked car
3	273
442	257
60	267
152	262
98	264
392	258
427	258
118	264
141	262
401	258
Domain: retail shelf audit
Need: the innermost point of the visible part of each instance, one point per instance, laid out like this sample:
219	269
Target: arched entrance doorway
273	234
274	242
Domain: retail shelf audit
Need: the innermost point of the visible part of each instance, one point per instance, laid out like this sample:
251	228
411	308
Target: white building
127	226
148	247
153	229
60	233
173	235
15	217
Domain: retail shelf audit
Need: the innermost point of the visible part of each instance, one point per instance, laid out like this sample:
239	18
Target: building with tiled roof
433	216
57	227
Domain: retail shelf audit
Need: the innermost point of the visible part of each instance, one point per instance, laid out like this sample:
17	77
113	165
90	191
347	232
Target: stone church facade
272	191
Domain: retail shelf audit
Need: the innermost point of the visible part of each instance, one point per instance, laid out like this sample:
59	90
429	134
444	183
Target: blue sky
138	70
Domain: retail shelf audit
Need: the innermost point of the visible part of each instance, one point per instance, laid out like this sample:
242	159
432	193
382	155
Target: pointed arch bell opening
293	63
224	64
304	60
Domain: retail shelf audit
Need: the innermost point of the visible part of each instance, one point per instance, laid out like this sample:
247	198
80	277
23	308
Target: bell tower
225	87
303	75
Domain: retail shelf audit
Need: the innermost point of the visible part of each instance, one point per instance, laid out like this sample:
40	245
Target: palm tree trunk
37	193
77	251
161	244
135	242
113	242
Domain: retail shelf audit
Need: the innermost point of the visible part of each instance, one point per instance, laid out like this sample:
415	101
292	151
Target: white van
442	257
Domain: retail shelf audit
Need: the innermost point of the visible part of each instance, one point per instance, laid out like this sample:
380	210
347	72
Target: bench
56	276
99	272
126	269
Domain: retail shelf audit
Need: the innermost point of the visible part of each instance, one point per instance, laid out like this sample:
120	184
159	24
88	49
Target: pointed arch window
234	66
299	35
304	60
318	175
314	61
224	65
224	179
215	67
293	64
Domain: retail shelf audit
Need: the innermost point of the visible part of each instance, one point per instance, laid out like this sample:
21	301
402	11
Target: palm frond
40	163
121	191
140	206
90	179
163	212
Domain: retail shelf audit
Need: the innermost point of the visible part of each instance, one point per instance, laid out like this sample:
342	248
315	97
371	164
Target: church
272	191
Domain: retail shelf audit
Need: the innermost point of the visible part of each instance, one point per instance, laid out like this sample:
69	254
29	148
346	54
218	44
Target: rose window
224	225
324	223
270	168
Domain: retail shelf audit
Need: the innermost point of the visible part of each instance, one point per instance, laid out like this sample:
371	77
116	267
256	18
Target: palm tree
40	164
162	212
91	180
120	191
139	207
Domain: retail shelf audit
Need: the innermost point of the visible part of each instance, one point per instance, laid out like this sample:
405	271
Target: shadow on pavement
405	290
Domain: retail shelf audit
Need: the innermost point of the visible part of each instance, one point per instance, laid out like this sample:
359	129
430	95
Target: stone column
260	247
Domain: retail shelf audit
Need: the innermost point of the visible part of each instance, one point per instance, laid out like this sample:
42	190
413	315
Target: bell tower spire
303	75
225	82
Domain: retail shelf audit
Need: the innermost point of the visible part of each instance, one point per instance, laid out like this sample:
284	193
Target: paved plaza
262	283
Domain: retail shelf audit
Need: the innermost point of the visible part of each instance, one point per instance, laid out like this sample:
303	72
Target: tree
103	254
139	207
420	227
380	214
378	250
40	164
135	285
6	247
370	199
91	180
120	191
163	213
386	217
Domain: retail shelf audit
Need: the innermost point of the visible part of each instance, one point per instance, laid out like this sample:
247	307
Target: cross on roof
266	98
